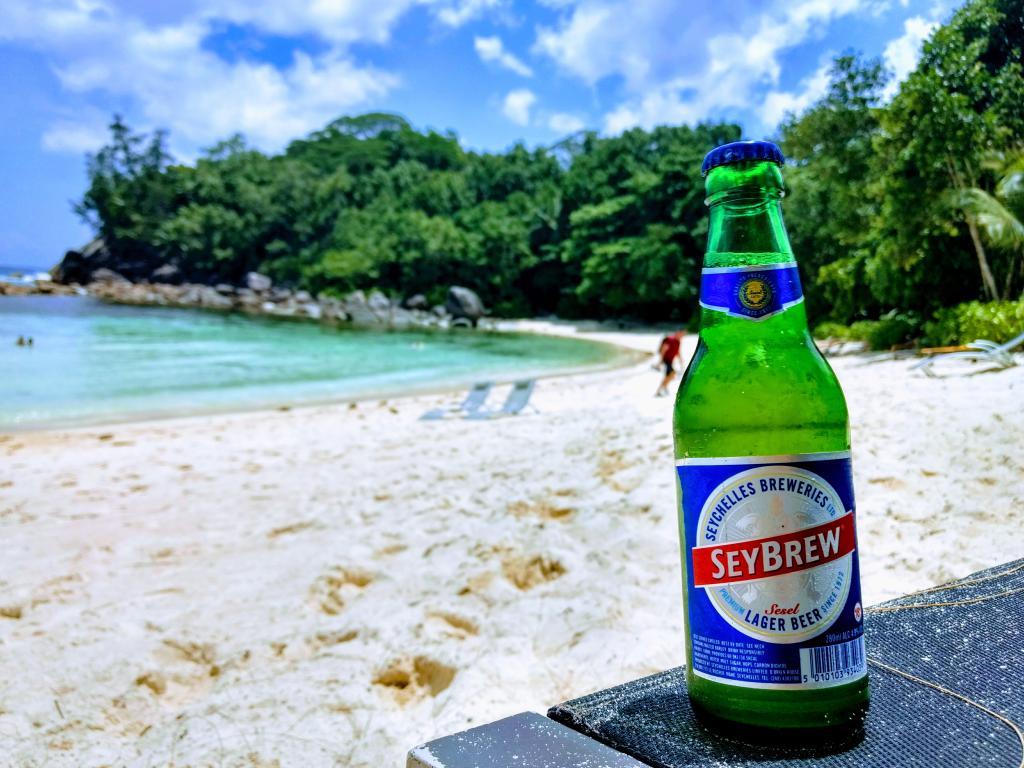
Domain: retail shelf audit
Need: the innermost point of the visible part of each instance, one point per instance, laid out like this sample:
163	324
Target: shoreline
386	396
623	353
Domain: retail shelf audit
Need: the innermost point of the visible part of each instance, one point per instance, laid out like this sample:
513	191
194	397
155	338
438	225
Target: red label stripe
774	555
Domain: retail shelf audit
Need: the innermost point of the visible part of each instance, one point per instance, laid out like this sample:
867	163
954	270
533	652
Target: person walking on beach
669	352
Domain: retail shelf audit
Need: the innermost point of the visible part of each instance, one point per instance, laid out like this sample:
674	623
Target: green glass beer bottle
774	622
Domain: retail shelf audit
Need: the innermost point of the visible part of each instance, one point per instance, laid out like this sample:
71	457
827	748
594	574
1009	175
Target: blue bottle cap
739	151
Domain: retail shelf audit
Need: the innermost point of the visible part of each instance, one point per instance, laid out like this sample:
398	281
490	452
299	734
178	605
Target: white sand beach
331	585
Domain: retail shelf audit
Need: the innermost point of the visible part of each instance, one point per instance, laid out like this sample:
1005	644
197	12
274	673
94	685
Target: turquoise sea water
92	362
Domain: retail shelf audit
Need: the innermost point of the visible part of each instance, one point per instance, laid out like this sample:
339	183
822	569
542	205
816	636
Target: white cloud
901	54
672	72
455	14
76	138
170	81
340	21
517	105
777	104
564	123
493	50
610	37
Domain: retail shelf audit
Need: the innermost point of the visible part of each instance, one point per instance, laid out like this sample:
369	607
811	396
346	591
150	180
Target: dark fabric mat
975	649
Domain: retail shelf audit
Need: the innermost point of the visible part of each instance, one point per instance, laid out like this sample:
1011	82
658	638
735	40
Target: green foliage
637	227
951	112
130	193
999	216
827	208
996	321
892	329
830	329
369	202
914	204
883	196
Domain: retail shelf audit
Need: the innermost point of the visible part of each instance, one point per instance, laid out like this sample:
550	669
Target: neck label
752	292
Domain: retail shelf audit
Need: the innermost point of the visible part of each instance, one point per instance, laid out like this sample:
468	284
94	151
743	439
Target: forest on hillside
906	214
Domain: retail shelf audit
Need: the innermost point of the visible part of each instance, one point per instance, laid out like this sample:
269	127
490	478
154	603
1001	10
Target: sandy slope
332	585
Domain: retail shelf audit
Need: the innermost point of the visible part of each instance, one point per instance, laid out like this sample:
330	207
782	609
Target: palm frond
1000	226
1012	184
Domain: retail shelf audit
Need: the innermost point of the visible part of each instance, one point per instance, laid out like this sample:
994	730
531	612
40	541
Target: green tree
221	229
960	104
999	215
828	205
129	195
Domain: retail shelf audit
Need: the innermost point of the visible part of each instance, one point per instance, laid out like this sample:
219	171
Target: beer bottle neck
747	230
750	277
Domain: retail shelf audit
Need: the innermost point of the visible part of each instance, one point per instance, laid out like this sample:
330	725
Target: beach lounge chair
980	350
471	404
517	400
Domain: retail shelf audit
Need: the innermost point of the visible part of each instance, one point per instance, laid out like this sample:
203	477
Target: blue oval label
754	293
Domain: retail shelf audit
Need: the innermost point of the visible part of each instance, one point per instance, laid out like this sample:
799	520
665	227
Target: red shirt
670	347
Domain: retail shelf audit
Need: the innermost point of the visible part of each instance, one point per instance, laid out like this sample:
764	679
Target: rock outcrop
462	303
375	311
258	283
40	288
164	284
417	301
79	266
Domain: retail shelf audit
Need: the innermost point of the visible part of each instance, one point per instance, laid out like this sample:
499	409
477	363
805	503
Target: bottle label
772	572
754	292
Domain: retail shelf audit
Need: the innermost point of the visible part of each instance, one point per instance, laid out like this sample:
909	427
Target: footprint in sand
455	625
203	654
278	648
285	530
542	508
477	584
332	588
184	671
526	572
155	681
411	679
328	639
61	589
892	483
610	464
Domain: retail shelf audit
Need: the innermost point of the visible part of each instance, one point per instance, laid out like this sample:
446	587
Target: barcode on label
833	663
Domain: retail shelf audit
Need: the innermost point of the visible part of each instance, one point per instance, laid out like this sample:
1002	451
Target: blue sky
494	71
